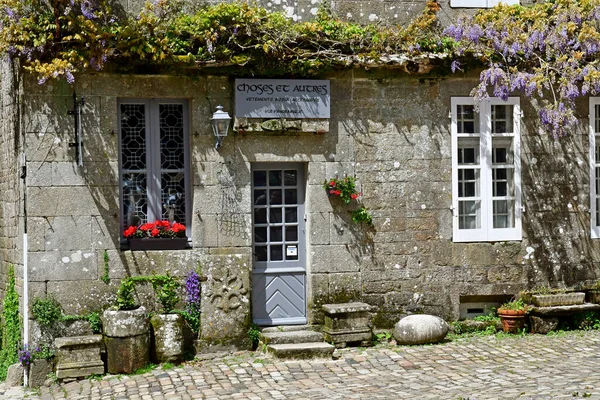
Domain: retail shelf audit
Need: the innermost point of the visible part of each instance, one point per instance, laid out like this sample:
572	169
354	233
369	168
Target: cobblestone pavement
532	367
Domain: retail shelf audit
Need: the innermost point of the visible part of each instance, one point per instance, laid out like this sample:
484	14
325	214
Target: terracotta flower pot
513	321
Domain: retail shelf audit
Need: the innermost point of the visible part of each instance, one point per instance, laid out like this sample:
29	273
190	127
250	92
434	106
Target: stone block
333	259
127	354
69	234
38	372
168	337
420	329
39	174
64	201
83	296
14	375
62	266
543	325
319	227
347	323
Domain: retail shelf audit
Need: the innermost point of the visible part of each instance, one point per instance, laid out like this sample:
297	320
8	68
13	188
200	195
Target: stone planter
513	321
594	296
127	339
147	244
39	371
168	337
558	299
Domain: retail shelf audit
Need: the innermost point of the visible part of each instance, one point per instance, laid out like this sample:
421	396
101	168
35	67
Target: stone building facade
389	129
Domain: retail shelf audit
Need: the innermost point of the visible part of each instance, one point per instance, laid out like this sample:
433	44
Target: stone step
291	328
301	350
288	337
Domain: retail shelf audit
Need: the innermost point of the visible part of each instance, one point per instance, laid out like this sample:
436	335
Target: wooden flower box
149	244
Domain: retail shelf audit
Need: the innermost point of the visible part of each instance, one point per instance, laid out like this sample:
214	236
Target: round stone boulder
420	329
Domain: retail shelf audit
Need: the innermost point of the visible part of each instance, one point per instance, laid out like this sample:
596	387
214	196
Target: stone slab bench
545	319
347	323
79	356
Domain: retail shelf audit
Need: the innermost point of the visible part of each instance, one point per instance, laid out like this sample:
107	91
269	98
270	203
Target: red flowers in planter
345	188
156	229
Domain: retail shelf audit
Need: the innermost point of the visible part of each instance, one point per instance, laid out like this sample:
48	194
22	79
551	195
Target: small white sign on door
291	251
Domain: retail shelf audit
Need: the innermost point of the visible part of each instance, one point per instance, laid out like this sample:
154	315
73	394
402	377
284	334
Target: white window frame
486	232
153	158
595	229
481	3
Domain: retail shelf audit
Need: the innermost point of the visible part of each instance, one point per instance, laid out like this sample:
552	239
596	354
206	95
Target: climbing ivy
11	338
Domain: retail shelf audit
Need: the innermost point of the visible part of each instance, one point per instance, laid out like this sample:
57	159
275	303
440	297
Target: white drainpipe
25	303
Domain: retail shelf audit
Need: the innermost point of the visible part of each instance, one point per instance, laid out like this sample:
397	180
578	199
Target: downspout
25	266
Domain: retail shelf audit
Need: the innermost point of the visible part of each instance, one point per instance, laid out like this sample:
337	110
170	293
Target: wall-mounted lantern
220	124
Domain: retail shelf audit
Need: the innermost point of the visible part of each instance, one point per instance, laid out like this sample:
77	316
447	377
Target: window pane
173	196
260	235
597	180
598	211
467	119
468	182
502	118
276	252
260	253
260	197
274	178
503	214
290	177
468	151
260	178
135	203
133	137
502	150
171	136
469	215
597	124
276	234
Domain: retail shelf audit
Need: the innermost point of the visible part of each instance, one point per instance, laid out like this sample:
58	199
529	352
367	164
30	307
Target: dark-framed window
154	161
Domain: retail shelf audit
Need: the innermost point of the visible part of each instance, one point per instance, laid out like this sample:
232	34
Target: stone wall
10	173
388	129
391	12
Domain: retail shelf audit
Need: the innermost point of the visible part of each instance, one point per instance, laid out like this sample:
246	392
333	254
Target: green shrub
126	295
46	311
11	338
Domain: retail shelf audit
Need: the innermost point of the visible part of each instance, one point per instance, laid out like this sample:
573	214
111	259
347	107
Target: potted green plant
167	326
126	332
512	315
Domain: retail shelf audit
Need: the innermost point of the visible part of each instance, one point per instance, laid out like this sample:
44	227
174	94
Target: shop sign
282	98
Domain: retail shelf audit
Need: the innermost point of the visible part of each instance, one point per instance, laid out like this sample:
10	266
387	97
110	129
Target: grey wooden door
279	240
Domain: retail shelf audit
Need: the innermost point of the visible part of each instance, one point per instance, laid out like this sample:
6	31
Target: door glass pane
291	233
274	178
291	196
275	196
292	256
467	119
276	252
291	214
275	215
276	234
260	253
290	177
260	197
260	215
260	235
260	178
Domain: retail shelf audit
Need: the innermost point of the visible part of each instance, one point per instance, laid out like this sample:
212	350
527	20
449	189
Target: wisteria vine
549	51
